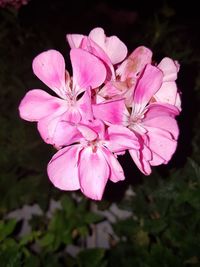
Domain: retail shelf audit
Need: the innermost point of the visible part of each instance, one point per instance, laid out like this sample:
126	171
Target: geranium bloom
168	92
110	50
88	163
127	74
153	123
111	104
47	110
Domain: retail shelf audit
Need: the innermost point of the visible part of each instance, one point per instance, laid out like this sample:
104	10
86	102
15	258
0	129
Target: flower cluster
111	104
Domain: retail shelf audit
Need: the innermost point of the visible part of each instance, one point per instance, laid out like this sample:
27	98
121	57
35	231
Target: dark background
167	203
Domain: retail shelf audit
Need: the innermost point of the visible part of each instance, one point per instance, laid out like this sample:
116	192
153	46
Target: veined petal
63	168
111	112
132	67
160	117
116	171
66	133
161	143
113	46
85	107
47	125
167	93
74	40
121	138
49	67
88	70
88	133
38	104
89	45
147	86
93	172
169	68
141	158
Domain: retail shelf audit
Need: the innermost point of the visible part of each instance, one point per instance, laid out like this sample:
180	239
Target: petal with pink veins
93	172
169	68
148	84
121	138
74	40
88	133
66	133
88	70
49	67
167	93
111	112
113	46
141	159
161	143
85	107
116	171
93	48
38	104
162	116
132	67
63	168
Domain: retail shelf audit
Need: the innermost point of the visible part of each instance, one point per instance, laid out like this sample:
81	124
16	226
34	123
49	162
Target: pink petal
87	132
88	71
38	104
74	40
121	138
84	106
141	159
47	126
178	101
161	117
94	173
113	46
169	68
161	143
132	67
72	115
93	48
147	86
49	67
116	171
63	168
167	93
65	133
111	112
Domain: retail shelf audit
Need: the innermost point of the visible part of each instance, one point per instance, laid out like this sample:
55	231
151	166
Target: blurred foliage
164	229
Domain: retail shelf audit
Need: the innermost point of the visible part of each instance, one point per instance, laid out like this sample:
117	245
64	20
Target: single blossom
168	92
88	163
37	105
127	75
110	50
153	123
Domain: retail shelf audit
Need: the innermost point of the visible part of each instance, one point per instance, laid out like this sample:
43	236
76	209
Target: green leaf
91	257
6	228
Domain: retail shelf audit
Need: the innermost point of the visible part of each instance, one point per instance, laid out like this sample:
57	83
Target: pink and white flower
89	163
47	110
153	123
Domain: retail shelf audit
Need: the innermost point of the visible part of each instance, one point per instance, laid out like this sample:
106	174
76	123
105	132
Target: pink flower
47	110
154	124
168	92
127	75
110	50
114	48
89	163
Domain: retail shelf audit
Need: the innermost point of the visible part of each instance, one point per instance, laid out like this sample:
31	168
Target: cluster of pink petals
111	104
13	3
